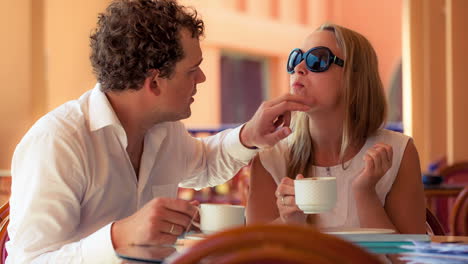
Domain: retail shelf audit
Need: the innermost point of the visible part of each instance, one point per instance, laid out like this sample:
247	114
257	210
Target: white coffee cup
216	217
315	195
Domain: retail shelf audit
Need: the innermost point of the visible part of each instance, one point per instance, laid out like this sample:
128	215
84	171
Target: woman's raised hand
378	160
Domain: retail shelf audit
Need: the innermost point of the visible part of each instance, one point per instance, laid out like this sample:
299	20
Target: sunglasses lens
318	59
294	59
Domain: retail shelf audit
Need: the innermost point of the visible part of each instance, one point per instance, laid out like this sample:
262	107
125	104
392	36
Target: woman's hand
286	202
378	160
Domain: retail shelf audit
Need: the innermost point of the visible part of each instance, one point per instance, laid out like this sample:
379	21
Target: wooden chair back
4	220
274	244
456	173
433	226
459	215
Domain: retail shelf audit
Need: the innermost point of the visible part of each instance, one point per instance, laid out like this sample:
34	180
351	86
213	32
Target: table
165	251
450	239
443	190
435	191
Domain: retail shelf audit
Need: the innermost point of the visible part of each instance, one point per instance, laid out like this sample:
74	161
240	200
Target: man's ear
153	82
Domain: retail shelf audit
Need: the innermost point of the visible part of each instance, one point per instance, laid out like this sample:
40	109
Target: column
413	75
435	79
424	91
39	93
457	80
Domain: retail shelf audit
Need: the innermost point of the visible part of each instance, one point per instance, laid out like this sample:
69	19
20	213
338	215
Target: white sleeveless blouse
345	212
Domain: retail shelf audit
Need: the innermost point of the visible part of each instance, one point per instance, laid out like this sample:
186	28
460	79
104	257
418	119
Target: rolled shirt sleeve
210	163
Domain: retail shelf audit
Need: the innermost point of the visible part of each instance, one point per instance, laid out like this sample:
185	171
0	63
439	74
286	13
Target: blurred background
421	45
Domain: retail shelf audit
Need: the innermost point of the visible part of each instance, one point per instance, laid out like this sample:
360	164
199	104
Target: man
102	171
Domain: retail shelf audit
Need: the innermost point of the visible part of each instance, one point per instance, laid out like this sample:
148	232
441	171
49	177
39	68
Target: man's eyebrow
196	65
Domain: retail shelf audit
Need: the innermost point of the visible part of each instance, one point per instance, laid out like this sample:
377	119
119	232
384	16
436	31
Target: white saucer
315	208
196	236
357	230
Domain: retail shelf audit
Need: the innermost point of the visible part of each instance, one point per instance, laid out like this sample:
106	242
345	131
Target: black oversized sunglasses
317	59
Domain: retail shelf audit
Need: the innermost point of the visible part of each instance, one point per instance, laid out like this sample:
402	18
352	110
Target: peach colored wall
378	21
15	75
204	109
68	25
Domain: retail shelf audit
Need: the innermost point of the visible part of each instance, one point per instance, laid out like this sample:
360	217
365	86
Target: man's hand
160	221
270	123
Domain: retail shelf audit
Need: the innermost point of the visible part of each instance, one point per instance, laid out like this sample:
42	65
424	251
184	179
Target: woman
377	170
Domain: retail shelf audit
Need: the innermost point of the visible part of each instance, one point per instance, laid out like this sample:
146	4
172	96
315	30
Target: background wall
15	75
434	78
44	49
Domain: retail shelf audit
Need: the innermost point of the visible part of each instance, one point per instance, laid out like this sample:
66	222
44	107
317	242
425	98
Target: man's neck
132	112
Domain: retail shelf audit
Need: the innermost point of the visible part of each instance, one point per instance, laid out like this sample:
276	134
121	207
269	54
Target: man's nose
202	77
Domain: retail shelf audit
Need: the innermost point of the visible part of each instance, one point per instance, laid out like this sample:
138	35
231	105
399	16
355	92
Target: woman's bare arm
405	203
404	208
269	202
261	203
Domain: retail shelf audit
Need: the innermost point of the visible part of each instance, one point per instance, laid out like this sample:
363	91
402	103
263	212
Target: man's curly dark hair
135	36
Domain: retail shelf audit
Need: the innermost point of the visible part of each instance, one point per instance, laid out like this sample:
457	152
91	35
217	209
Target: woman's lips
298	88
297	84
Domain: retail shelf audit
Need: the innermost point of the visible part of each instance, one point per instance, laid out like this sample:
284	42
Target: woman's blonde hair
363	95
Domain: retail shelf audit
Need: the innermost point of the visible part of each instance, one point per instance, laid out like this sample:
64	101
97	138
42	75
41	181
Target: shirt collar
101	114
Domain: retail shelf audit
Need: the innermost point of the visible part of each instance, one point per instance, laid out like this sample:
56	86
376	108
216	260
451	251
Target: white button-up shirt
72	177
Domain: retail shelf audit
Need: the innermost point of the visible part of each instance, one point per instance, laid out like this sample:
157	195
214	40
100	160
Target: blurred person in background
102	171
377	170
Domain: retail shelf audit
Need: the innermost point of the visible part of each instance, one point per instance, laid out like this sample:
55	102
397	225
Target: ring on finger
282	200
172	229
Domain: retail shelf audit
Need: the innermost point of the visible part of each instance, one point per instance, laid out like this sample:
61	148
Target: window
243	86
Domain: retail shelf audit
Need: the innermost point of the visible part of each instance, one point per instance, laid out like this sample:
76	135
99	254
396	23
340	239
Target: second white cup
216	217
